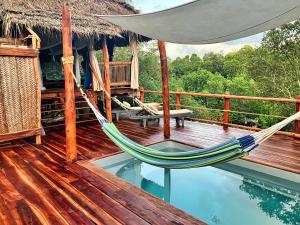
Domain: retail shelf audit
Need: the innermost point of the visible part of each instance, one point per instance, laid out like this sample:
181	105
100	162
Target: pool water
227	195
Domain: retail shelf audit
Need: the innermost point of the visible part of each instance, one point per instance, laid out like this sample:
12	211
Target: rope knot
67	60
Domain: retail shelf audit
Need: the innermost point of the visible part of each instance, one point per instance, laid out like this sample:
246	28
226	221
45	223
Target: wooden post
106	78
142	94
38	137
226	110
70	112
177	99
297	122
165	87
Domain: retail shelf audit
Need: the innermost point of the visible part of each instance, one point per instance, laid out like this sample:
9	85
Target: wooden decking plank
76	188
114	208
37	186
8	215
42	199
26	214
135	201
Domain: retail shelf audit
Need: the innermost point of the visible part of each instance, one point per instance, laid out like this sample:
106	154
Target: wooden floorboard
37	186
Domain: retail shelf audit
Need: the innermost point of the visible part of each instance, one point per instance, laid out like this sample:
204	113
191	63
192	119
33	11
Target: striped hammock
229	150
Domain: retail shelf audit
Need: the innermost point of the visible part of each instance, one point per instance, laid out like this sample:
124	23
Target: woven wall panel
18	95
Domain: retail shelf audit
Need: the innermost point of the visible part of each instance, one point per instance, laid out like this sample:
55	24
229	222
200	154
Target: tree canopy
270	70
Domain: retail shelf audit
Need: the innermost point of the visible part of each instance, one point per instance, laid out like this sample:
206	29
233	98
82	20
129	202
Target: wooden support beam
142	94
297	122
226	110
165	87
24	52
38	137
70	112
177	99
106	78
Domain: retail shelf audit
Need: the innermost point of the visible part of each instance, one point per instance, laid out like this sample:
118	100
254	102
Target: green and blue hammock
226	151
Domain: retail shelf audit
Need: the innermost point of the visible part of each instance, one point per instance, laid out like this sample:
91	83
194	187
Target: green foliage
270	70
214	63
196	81
188	64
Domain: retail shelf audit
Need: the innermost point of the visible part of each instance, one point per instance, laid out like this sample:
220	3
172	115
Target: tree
214	63
276	64
187	64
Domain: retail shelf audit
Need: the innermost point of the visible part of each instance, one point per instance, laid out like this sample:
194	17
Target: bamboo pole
106	78
165	87
70	112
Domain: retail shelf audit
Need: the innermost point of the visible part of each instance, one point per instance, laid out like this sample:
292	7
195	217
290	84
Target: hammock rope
226	151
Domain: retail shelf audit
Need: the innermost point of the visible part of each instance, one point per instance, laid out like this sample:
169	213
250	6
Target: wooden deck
38	187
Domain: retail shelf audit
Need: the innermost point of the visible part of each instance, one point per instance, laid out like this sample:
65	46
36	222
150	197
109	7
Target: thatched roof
45	15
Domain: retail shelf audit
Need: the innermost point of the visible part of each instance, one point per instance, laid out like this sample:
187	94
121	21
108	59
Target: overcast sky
175	50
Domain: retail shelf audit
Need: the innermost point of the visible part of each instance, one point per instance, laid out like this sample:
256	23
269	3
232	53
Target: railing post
142	94
226	110
297	122
177	99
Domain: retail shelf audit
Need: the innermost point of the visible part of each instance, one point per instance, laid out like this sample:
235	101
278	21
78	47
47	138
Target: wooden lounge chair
127	109
153	113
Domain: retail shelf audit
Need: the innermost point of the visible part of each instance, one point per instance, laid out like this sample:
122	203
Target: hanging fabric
77	65
95	69
134	62
209	21
87	81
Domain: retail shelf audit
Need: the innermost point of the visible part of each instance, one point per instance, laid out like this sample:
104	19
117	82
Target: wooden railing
53	108
120	73
227	97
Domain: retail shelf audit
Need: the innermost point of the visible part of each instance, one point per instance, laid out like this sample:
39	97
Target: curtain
77	66
134	62
87	81
96	70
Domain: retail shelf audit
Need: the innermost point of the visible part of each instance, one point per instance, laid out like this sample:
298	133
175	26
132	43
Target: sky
179	50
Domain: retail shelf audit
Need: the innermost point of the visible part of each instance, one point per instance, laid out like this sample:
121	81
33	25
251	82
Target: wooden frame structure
70	120
21	114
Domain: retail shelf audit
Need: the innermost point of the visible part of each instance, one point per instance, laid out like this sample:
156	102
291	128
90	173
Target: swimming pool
226	194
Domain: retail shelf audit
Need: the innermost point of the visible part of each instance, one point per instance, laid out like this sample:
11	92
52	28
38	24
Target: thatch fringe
45	15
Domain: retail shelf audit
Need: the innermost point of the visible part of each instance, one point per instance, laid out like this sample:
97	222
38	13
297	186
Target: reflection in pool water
215	195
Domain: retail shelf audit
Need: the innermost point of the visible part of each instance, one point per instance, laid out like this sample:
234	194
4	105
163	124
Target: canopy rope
229	150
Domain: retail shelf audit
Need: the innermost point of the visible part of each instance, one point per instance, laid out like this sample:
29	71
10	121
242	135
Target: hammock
229	150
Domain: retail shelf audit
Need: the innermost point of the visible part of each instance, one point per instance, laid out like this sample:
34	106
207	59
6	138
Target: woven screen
19	104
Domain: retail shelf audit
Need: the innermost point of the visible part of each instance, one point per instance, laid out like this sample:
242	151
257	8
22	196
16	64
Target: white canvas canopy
211	21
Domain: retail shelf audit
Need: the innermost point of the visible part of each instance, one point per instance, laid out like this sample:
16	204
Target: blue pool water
227	195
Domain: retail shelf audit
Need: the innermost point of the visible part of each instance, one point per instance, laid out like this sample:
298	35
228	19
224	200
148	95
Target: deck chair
127	109
153	113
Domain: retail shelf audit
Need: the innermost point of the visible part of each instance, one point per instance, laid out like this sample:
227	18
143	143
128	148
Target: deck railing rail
227	111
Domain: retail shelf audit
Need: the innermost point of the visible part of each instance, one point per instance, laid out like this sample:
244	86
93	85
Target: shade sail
211	21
